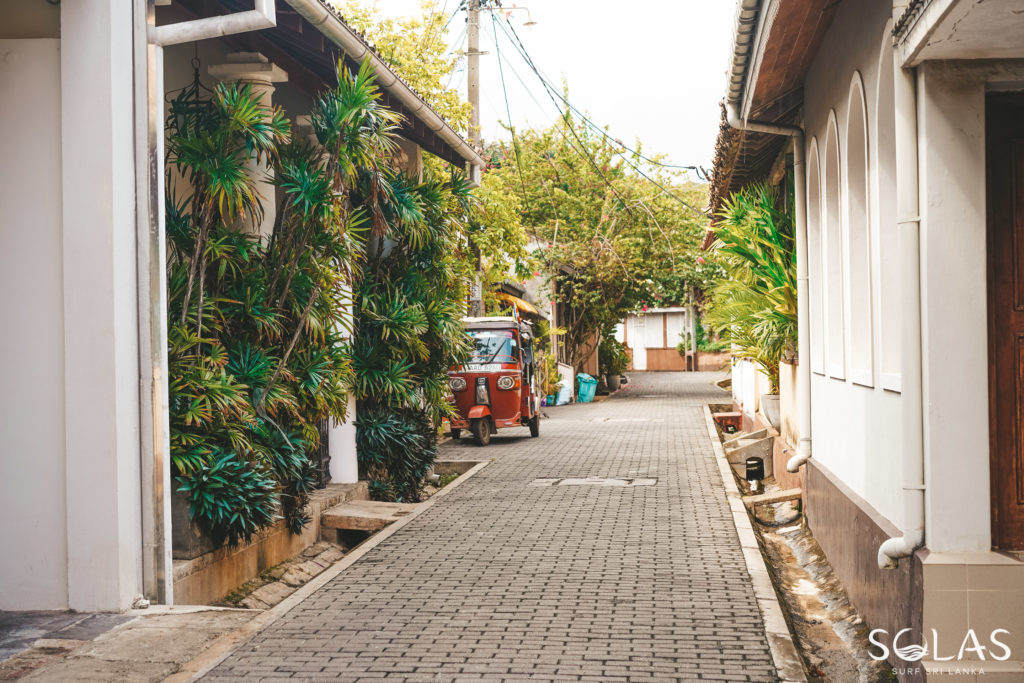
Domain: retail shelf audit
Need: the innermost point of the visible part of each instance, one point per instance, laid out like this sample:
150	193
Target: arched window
814	269
858	236
834	286
888	237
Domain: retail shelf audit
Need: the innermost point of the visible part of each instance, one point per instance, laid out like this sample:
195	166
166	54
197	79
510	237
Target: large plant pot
613	382
772	410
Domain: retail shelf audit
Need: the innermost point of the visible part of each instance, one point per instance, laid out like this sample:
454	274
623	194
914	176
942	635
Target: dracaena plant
258	333
754	306
409	306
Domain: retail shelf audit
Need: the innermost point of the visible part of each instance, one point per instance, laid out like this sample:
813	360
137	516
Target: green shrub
258	355
397	448
612	356
755	307
230	498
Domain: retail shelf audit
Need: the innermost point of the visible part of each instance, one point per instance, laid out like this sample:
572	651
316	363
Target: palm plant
259	353
410	302
755	305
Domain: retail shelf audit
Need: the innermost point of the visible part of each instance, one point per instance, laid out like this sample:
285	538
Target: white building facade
901	126
85	481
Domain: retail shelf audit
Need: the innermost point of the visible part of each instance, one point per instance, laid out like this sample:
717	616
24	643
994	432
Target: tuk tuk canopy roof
497	323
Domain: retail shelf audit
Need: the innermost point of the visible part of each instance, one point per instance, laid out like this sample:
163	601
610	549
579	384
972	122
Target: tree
617	241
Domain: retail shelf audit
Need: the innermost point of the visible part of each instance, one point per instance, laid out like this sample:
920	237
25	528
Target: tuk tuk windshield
494	346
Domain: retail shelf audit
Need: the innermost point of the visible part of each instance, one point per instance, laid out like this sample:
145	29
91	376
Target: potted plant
613	361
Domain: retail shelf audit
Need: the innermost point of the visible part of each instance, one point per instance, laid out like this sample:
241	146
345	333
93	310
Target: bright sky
647	69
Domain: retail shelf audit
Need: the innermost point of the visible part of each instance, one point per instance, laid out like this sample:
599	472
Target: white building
907	145
84	467
652	337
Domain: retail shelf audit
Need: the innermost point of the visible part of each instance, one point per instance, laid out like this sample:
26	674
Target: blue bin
588	387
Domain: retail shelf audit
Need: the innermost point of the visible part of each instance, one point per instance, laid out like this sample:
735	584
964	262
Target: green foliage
230	499
611	355
417	48
617	241
410	304
755	306
400	445
258	355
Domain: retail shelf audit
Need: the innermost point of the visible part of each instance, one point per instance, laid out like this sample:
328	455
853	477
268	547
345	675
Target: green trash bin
588	387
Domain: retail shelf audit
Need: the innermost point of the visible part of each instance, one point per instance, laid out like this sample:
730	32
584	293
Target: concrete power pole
476	296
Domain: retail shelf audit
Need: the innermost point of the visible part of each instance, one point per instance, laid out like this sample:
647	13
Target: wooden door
1005	208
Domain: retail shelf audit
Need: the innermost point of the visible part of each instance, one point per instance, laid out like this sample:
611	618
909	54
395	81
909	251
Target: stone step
773	497
364	515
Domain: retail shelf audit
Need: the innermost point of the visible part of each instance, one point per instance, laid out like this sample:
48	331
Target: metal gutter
747	13
324	20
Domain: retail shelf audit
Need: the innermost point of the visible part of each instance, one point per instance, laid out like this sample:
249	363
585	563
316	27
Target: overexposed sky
647	69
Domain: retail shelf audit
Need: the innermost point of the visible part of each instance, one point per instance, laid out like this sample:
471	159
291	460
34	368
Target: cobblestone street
508	578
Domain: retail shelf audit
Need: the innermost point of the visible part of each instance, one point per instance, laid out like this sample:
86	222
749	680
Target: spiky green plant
755	305
259	353
409	332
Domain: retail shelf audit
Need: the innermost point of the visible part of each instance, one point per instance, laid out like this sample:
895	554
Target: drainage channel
830	635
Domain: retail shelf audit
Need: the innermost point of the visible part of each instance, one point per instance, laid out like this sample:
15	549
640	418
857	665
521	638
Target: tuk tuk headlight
506	382
457	384
483	396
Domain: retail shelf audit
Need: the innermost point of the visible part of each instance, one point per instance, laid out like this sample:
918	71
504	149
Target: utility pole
473	68
476	296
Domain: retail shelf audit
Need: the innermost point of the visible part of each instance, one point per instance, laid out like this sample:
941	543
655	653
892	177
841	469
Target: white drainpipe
803	389
264	15
155	446
909	222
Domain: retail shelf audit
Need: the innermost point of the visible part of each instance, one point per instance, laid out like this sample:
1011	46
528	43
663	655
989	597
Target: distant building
652	338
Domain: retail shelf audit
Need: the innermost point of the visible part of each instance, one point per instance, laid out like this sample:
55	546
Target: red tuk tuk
494	389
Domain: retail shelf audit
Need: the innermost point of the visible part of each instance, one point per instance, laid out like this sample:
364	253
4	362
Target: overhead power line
553	94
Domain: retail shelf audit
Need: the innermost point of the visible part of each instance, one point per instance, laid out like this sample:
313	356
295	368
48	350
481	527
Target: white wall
951	120
101	355
33	564
856	429
748	383
856	419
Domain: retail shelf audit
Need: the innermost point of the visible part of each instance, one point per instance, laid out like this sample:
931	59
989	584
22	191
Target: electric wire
547	83
552	93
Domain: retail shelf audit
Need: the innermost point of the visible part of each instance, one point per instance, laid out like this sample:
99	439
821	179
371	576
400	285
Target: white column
254	69
341	443
101	357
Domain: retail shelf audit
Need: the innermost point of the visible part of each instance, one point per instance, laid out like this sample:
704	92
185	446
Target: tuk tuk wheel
456	433
535	426
481	428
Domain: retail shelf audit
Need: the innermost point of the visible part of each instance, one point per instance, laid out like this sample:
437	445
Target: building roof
774	43
309	54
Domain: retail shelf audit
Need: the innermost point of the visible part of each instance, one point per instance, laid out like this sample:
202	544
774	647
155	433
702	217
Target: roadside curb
223	646
787	660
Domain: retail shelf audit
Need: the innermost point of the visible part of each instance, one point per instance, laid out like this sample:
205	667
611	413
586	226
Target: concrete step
773	497
364	515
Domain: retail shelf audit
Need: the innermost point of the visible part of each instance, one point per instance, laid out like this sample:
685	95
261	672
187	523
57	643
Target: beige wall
788	404
21	19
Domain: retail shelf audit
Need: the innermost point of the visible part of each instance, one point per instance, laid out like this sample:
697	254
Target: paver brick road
504	580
